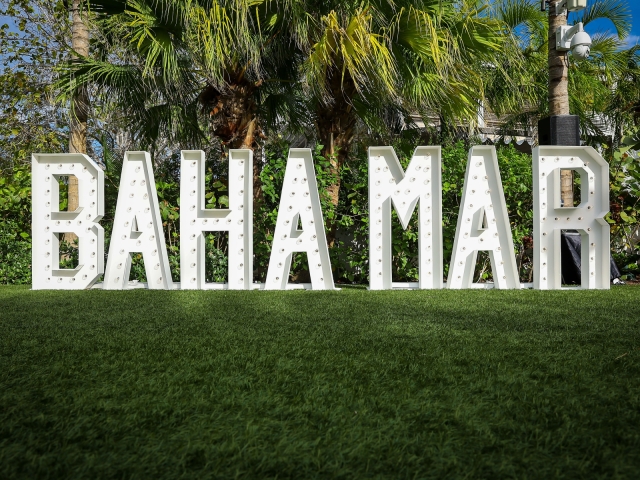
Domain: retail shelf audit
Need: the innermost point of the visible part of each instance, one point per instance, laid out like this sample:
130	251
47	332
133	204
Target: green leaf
626	217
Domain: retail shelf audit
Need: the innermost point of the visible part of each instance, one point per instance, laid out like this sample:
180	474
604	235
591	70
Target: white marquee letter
196	219
483	224
388	184
299	202
549	218
49	222
137	227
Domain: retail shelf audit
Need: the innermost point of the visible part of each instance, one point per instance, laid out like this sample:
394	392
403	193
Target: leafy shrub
15	200
15	226
15	254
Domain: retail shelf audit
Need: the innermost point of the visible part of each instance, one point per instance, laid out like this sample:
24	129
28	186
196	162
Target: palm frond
350	48
616	11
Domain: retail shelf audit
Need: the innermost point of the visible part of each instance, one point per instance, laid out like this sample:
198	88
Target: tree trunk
249	141
79	108
558	71
336	123
559	92
232	116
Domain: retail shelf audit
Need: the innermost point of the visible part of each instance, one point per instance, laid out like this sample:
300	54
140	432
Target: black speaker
559	130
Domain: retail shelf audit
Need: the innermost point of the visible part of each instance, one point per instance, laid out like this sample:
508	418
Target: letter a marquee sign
483	222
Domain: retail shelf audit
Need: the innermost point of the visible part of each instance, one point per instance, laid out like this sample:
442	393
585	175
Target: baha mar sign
483	223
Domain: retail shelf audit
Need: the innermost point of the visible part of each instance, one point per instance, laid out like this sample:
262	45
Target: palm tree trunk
79	106
233	120
558	71
559	92
336	124
249	141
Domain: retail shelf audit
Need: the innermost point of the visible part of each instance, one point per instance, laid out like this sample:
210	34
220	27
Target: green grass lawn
350	384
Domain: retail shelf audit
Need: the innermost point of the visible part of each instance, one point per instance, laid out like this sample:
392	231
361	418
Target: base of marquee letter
135	285
474	286
491	286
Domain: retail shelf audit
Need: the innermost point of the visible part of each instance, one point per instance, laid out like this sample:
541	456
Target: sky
606	25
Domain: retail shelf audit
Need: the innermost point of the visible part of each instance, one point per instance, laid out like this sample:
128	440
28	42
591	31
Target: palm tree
558	75
228	59
560	85
585	84
80	100
409	55
178	63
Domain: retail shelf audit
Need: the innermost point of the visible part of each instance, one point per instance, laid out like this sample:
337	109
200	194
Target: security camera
581	45
576	5
574	39
572	5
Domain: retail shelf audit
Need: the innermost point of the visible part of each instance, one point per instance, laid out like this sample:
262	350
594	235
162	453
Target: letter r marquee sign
483	221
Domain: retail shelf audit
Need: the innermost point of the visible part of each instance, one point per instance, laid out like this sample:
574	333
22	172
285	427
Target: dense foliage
166	75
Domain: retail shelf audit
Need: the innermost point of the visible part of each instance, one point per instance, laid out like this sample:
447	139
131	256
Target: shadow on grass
319	384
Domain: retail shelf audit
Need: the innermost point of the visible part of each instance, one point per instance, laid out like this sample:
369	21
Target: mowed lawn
349	384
